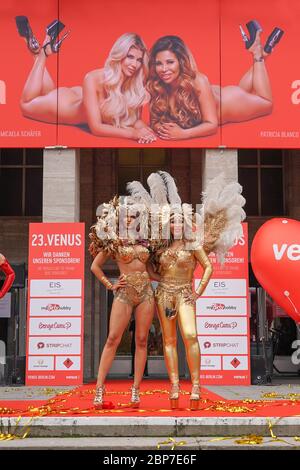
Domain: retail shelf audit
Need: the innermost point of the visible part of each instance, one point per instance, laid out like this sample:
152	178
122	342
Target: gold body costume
138	288
174	295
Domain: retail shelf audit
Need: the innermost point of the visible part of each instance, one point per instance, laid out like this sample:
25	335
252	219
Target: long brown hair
186	112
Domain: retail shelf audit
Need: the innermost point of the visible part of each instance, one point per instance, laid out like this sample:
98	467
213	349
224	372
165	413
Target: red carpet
154	402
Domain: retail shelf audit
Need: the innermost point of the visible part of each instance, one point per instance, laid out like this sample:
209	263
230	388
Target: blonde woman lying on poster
185	105
110	99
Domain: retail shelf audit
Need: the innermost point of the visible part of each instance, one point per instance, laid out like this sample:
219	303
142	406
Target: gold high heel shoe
135	397
99	397
174	395
195	397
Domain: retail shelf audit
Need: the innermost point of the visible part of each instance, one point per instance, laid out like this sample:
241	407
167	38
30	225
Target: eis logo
55	285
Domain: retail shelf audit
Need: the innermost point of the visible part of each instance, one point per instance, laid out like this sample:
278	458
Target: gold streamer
171	441
251	439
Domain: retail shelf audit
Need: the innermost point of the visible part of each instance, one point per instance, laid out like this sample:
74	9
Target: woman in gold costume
176	260
176	299
133	289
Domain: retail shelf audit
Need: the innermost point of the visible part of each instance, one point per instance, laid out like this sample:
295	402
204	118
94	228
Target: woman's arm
10	276
91	98
153	275
203	259
96	269
209	117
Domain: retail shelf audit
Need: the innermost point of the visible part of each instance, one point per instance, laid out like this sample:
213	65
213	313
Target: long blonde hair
124	99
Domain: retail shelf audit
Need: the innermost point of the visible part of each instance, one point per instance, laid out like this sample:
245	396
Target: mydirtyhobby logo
218	306
56	308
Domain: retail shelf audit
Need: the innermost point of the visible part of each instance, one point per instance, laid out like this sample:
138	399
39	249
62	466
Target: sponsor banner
223	316
48	345
221	306
68	363
55	287
55	307
237	377
225	288
210	362
41	363
222	326
54	326
55	300
47	377
220	99
235	363
223	344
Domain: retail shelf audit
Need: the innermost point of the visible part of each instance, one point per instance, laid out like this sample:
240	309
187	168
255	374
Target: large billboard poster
268	90
150	73
55	304
223	319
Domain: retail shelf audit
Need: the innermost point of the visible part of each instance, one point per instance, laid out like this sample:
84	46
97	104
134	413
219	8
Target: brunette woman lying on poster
10	276
110	99
185	105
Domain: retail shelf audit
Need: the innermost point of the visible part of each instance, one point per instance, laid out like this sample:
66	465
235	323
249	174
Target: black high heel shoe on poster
253	27
273	39
25	31
53	30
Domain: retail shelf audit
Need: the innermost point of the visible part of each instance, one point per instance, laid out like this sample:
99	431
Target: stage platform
223	411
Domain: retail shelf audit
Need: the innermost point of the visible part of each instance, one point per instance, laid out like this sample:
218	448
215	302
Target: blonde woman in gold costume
133	289
175	263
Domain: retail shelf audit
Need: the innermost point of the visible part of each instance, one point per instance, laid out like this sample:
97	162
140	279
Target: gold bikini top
126	254
181	259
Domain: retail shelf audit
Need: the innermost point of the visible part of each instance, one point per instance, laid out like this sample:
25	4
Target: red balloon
275	259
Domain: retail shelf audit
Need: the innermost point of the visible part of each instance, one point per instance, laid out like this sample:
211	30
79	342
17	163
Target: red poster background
46	238
282	67
16	63
235	267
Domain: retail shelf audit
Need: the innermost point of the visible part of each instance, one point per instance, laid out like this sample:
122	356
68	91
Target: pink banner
55	304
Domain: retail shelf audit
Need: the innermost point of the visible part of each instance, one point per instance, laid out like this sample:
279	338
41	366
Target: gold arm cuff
106	282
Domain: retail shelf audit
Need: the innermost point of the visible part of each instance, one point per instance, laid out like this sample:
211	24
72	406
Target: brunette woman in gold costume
177	258
133	289
176	300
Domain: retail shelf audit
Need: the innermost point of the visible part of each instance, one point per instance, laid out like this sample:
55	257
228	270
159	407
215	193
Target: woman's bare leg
143	320
39	96
39	81
254	98
119	319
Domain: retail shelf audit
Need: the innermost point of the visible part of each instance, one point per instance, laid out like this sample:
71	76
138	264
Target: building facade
66	185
